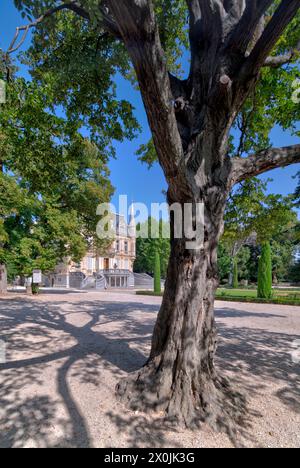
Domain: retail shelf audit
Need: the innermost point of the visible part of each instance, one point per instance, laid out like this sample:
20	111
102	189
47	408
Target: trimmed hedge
277	300
219	297
149	293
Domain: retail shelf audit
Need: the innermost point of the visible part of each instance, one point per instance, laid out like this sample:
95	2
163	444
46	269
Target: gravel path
66	352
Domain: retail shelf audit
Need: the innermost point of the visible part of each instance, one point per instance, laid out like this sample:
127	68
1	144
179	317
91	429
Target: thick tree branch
178	87
212	11
264	161
195	21
195	31
243	34
284	59
73	6
138	27
284	14
108	23
235	8
209	18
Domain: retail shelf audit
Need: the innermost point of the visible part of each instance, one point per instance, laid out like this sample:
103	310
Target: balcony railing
124	252
115	272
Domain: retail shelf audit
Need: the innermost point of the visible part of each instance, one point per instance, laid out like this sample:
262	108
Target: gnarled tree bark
180	376
191	139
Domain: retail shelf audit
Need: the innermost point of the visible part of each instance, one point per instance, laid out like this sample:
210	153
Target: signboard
36	276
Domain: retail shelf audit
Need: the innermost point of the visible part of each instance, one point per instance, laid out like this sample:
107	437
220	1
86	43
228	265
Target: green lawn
280	296
236	292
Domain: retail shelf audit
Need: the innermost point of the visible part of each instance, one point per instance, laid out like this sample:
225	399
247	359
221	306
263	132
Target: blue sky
128	175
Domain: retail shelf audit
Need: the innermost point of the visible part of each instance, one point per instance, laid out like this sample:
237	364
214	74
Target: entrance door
106	264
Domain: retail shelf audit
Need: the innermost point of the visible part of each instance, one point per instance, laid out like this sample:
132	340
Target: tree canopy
251	210
52	180
78	57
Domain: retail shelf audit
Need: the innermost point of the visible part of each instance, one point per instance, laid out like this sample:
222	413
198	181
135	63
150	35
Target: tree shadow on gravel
251	358
43	335
264	357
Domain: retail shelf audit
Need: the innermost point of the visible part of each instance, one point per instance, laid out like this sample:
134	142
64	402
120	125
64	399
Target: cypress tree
157	273
264	287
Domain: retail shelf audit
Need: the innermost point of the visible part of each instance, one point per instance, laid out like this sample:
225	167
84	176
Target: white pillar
68	280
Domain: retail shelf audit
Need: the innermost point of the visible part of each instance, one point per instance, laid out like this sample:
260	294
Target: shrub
264	287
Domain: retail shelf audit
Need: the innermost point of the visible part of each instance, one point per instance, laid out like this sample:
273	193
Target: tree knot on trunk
226	81
180	104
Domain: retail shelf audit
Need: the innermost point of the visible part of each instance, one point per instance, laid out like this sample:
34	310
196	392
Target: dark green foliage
283	254
222	297
258	300
157	274
224	262
235	273
294	272
35	289
52	182
253	263
147	247
264	288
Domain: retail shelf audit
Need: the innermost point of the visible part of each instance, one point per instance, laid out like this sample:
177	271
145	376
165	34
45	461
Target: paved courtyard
66	352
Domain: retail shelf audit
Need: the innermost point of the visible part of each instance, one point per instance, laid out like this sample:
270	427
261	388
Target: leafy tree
242	69
235	274
274	219
253	215
52	180
253	262
297	204
224	261
146	248
294	272
242	211
243	259
264	289
157	275
283	255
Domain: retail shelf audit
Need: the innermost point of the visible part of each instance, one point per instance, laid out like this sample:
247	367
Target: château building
113	269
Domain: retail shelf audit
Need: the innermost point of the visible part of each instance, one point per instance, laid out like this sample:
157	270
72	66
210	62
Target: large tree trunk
190	121
180	376
3	279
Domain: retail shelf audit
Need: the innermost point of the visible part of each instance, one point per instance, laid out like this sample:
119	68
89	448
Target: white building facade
113	269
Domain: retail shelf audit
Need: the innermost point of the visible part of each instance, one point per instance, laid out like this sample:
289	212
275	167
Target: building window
90	263
118	246
126	247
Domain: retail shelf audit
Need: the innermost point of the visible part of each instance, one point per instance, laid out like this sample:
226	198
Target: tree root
183	401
